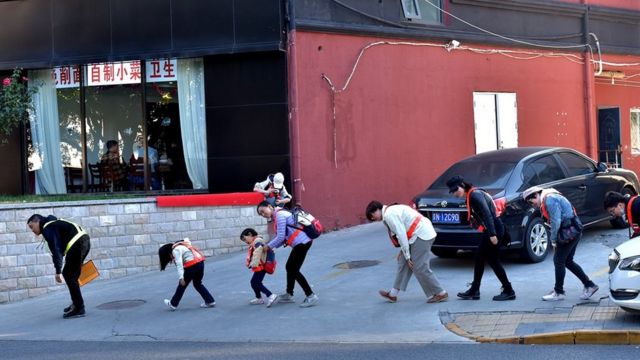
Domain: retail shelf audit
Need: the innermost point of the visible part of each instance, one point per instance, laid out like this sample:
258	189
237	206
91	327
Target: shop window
134	128
635	131
422	11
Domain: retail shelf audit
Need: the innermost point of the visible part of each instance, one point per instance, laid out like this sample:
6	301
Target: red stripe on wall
244	198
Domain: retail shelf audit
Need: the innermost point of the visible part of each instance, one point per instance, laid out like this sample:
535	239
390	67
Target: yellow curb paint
600	273
550	338
634	337
454	328
506	340
602	337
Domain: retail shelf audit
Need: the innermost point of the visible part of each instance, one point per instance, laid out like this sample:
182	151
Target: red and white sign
114	73
66	76
161	70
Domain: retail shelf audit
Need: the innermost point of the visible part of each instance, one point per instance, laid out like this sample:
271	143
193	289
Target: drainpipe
294	125
589	88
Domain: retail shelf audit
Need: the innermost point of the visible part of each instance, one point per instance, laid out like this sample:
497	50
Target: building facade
352	99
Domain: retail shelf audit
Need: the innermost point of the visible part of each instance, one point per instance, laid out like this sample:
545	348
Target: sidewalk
345	268
601	322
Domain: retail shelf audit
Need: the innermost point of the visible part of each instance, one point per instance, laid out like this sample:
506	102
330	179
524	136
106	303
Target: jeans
193	273
257	286
563	258
73	266
294	263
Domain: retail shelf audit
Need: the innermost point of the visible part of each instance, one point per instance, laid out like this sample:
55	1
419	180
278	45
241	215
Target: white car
624	275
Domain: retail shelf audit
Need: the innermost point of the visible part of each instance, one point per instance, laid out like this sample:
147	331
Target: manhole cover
357	264
120	304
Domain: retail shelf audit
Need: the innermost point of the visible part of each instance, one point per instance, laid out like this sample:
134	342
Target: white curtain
45	134
192	119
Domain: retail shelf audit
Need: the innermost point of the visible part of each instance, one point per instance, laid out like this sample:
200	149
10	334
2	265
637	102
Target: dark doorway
609	147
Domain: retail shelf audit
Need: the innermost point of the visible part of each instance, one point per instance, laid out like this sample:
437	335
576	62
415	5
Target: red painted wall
624	94
408	115
622	4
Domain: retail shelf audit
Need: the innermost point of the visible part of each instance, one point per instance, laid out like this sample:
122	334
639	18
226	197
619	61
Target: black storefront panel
25	31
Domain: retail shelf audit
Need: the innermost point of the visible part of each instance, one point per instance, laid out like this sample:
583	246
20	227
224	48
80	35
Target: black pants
563	258
294	263
489	253
257	285
193	273
73	266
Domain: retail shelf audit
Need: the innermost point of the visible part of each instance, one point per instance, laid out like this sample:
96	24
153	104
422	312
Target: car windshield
487	175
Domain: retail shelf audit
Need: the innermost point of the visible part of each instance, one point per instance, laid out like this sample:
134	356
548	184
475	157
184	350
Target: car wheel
621	222
444	252
536	241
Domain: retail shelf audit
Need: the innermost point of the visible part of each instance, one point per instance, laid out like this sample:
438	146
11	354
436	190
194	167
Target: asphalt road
54	350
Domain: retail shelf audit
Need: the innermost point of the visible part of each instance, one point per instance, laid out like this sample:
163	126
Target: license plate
445	218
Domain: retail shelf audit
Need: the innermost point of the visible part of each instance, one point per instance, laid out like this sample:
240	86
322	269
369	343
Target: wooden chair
96	183
73	179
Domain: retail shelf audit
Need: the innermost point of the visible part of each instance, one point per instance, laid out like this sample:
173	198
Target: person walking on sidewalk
288	234
66	240
257	262
190	264
559	213
482	215
619	205
414	235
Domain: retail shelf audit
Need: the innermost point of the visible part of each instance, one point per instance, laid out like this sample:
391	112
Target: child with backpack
190	265
261	261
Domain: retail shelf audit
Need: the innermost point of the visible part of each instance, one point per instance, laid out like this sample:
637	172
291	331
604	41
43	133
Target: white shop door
495	121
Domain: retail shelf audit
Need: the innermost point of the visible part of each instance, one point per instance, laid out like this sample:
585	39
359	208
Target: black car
505	174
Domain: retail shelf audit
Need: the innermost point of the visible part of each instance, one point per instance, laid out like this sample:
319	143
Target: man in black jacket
618	204
69	241
482	215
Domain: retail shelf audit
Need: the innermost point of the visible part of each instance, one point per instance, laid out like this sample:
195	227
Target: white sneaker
588	292
285	298
272	300
309	301
168	303
553	296
256	301
208	305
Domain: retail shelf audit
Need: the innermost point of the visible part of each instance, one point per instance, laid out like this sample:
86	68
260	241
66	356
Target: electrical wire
502	36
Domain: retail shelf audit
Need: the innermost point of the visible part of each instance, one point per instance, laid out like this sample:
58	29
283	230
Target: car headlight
614	259
632	263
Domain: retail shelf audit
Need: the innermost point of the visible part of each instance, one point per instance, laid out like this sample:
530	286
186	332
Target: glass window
422	11
577	165
67	82
635	131
489	175
542	171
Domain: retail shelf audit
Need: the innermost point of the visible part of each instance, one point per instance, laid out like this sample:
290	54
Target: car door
581	182
546	172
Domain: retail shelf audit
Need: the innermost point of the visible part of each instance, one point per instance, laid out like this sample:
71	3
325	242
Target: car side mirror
602	167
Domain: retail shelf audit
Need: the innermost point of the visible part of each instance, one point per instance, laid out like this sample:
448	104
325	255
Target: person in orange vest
273	189
482	215
190	265
257	262
66	240
558	211
414	235
619	205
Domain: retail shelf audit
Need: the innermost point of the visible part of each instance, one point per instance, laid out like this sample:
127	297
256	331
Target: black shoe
471	294
68	308
505	295
73	313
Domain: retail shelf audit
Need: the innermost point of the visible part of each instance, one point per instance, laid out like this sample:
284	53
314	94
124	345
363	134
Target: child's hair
248	232
164	253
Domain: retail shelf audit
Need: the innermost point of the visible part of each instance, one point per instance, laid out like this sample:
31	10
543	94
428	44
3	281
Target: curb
582	337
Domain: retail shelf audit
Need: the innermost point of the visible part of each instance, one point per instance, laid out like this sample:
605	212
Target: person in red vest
414	235
619	205
483	216
190	265
558	211
273	189
257	262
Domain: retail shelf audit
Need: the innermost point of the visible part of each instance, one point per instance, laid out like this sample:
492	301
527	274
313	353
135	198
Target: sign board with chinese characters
66	76
114	73
161	70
